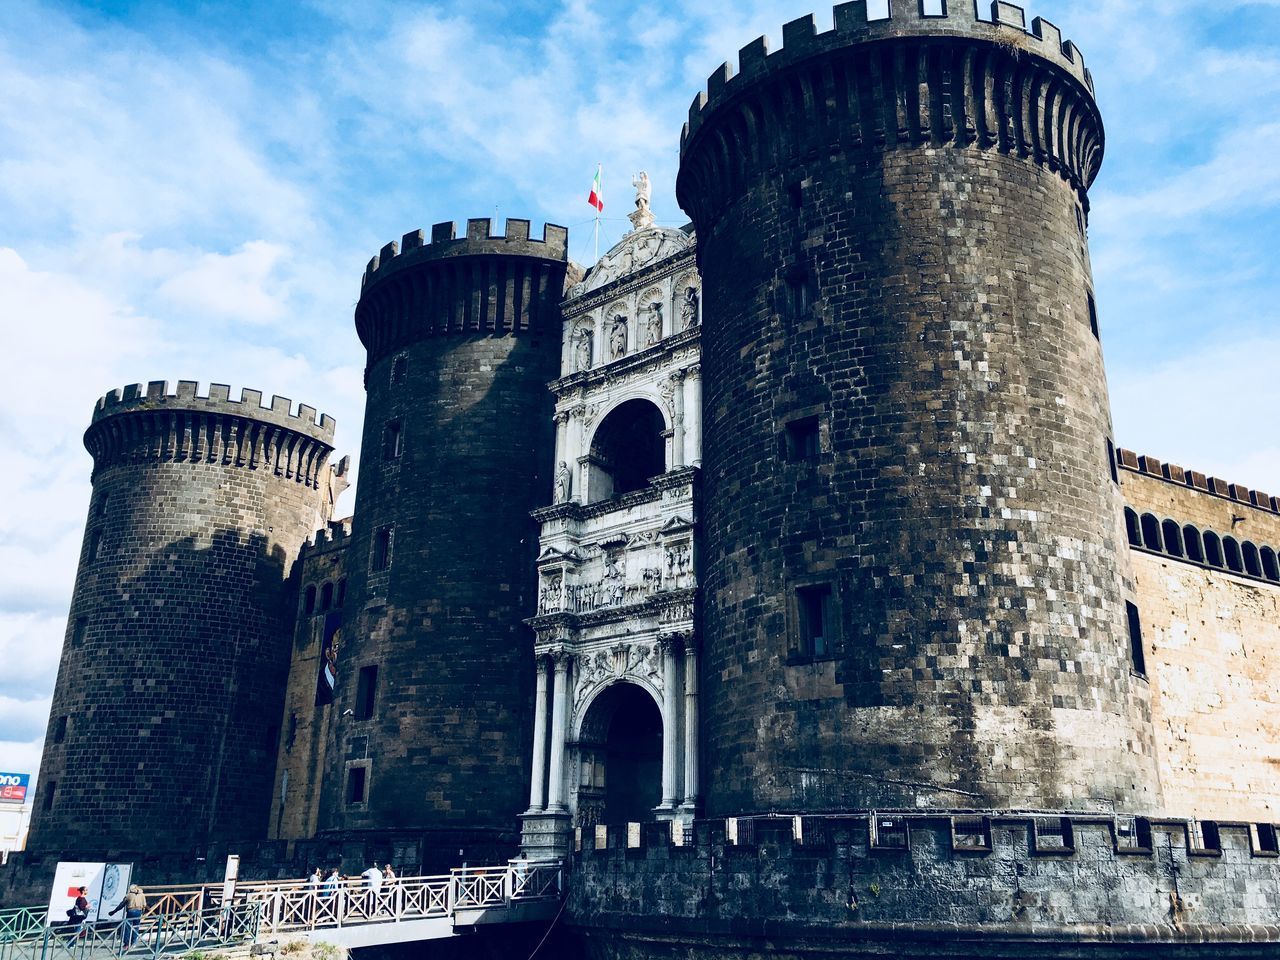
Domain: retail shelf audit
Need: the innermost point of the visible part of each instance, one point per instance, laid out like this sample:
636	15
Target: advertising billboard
14	787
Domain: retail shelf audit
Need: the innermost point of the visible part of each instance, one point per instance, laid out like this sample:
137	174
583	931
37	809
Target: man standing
373	884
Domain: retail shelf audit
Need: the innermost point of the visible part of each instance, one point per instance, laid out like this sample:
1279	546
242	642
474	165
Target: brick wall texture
928	300
177	648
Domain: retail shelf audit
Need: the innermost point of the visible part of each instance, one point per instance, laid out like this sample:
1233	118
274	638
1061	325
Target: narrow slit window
60	730
399	368
79	631
342	591
802	440
1135	639
815	620
50	791
1093	317
382	548
95	545
1111	462
309	603
326	596
355	785
392	440
366	692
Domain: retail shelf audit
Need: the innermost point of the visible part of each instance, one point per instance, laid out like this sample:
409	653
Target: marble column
690	724
559	717
677	402
670	723
693	406
537	787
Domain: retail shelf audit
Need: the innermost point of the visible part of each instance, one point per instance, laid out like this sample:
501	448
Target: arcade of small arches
1188	543
326	596
615	736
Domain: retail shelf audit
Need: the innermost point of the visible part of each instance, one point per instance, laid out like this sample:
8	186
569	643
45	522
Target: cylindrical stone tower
915	581
164	720
435	683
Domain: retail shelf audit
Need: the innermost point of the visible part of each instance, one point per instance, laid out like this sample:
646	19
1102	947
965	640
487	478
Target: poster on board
105	886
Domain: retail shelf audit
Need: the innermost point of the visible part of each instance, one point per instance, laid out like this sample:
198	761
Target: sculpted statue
618	337
582	350
564	482
653	324
689	309
643	190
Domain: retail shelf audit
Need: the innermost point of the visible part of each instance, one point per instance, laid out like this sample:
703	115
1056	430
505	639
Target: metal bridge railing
24	934
181	919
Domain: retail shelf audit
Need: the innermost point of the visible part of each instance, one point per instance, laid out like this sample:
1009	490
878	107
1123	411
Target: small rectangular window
800	291
802	440
102	505
50	790
1111	462
933	8
399	367
79	631
60	730
292	736
366	690
1135	639
355	784
392	441
381	548
1093	317
813	605
95	543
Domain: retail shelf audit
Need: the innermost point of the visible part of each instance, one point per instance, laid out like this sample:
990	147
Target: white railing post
508	883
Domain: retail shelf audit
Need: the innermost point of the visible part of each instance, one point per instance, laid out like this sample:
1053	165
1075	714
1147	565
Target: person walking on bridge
373	885
134	905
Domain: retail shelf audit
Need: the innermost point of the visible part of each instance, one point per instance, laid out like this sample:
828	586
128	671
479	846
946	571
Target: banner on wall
330	642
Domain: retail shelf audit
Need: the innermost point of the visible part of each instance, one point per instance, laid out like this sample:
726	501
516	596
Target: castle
780	571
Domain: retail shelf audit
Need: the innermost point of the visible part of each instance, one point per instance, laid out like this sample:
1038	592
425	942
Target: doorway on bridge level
620	753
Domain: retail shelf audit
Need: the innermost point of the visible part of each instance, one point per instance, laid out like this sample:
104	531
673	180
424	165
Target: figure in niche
618	338
564	483
583	350
689	309
653	324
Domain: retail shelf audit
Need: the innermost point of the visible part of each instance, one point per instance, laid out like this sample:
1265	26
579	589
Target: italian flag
596	198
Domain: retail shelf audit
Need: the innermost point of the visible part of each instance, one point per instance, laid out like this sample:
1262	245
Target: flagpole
600	178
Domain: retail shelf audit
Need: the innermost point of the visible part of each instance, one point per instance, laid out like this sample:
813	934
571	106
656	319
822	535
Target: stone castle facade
781	571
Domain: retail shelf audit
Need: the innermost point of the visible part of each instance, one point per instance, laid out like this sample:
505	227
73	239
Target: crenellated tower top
480	283
914	78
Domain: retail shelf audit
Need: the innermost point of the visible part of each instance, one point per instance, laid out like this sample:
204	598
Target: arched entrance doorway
627	449
620	748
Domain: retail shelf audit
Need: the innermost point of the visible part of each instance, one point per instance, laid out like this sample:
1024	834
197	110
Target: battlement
1150	466
335	535
1007	26
155	397
973	874
149	423
479	239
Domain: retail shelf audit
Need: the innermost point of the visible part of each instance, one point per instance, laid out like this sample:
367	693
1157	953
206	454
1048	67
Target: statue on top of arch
642	216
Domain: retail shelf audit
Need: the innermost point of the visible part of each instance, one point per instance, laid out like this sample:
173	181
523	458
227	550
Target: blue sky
192	190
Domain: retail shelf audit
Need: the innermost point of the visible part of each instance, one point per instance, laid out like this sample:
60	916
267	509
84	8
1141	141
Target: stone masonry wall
463	338
163	727
304	724
1212	641
835	895
920	294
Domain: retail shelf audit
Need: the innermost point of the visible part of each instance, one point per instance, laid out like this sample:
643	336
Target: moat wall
835	895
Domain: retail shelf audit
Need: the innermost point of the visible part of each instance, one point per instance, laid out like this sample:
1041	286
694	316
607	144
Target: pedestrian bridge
183	919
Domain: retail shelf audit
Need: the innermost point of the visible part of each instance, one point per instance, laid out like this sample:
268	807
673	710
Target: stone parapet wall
834	888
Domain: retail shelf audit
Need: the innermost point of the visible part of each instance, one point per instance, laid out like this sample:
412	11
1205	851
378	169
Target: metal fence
25	934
